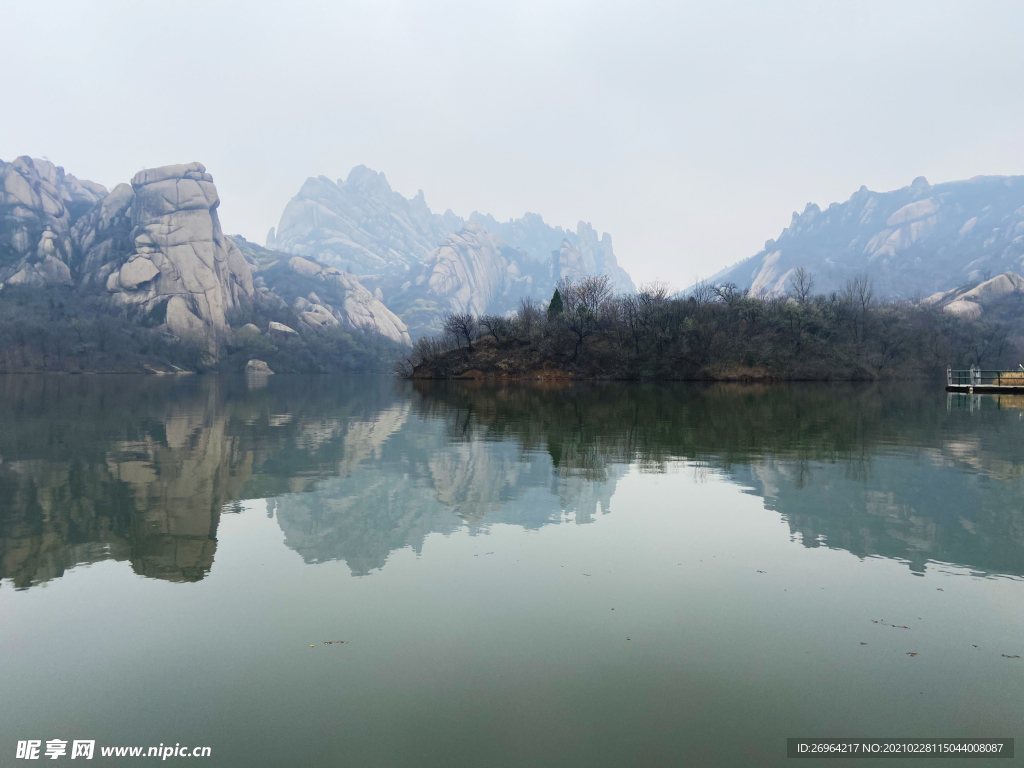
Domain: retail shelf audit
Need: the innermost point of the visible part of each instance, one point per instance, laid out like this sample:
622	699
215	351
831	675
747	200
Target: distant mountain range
912	242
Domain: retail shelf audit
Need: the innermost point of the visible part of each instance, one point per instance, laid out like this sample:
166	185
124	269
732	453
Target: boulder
304	266
136	272
258	367
280	330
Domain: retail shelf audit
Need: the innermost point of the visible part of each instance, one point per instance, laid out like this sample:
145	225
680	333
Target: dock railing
977	377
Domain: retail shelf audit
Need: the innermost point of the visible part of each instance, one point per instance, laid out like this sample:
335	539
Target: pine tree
555	307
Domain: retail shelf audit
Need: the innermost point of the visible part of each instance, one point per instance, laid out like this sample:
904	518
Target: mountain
913	241
39	204
149	262
426	263
568	253
360	225
155	246
470	271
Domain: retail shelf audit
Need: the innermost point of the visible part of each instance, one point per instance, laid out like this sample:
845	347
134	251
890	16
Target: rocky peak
360	225
39	204
157	247
916	240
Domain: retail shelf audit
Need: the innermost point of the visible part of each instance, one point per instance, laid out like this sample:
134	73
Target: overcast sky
689	131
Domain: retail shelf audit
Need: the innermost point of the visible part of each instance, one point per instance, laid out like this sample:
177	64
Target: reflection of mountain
140	469
891	473
92	472
915	507
421	481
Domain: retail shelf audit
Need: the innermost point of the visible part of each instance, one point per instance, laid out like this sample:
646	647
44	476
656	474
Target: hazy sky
690	131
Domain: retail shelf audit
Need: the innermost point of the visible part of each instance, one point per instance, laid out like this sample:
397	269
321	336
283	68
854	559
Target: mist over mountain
912	242
427	263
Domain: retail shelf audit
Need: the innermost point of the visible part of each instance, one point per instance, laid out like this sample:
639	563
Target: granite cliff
155	247
154	253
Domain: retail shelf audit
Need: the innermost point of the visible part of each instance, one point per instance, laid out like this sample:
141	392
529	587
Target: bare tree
987	343
582	302
631	316
858	296
498	326
801	285
703	292
461	325
528	318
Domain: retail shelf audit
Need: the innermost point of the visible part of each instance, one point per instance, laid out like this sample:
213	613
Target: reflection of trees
874	471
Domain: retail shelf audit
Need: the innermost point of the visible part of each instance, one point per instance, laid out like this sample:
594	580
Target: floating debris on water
335	642
911	654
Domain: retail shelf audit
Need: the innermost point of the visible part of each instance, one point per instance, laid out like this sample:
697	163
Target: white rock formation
178	261
468	270
360	224
589	256
39	204
280	329
258	368
354	308
970	303
363	227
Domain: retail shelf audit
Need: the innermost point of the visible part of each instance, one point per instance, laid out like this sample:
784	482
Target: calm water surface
602	575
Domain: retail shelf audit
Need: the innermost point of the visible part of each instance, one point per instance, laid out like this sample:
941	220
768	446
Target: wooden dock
980	382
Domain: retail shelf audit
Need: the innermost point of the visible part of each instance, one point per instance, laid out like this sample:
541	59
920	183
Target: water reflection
140	469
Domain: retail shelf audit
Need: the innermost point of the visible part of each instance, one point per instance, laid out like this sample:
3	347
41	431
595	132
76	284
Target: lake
325	571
